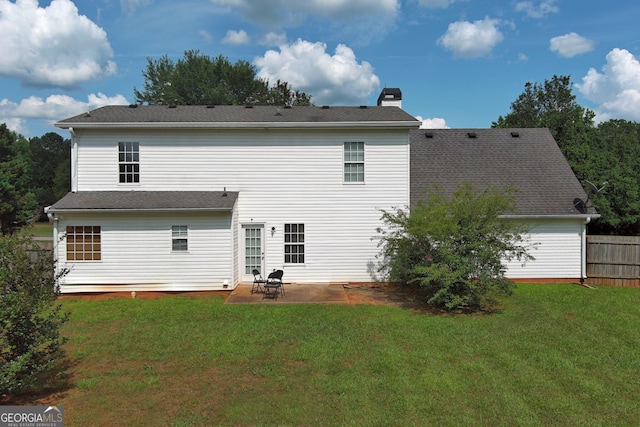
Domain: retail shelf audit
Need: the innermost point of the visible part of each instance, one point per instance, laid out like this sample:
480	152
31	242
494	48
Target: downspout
74	161
583	250
54	219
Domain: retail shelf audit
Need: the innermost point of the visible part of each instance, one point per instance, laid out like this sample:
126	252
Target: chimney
390	97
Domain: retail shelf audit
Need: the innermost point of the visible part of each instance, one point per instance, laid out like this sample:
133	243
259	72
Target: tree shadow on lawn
51	389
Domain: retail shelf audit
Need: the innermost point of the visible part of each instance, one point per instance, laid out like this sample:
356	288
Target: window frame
179	235
128	162
83	243
294	250
353	158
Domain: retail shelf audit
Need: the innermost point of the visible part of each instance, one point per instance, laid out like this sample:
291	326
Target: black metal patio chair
258	281
273	286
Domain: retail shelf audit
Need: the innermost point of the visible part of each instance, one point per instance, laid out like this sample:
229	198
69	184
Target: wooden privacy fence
613	260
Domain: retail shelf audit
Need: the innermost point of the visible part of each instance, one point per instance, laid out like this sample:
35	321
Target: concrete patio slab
294	294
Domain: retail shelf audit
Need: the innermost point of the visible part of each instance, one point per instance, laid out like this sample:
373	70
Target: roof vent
287	107
172	106
472	135
211	106
325	107
248	106
428	134
515	134
363	106
133	105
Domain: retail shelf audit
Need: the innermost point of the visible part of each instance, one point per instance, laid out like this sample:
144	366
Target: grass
555	355
39	229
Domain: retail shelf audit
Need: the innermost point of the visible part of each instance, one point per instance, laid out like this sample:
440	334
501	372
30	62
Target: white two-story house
182	198
195	197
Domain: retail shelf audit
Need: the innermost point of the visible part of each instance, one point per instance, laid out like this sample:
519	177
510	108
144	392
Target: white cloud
616	89
537	10
570	45
51	46
236	38
471	39
330	79
274	39
51	109
293	12
434	123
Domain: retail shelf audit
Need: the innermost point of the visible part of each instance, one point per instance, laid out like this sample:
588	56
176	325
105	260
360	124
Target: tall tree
608	152
614	158
17	200
198	79
553	105
51	170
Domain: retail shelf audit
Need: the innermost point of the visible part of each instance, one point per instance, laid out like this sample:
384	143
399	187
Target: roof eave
555	216
240	125
51	209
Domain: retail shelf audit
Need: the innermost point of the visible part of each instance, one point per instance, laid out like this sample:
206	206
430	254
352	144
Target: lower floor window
294	243
179	238
84	243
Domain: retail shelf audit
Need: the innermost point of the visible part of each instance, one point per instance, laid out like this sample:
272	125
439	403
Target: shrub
30	318
454	246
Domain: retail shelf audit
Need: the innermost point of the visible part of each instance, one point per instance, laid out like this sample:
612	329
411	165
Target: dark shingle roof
531	162
146	200
227	114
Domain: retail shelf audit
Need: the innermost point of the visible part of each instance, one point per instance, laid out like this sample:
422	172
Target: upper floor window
354	162
294	243
129	162
83	243
179	238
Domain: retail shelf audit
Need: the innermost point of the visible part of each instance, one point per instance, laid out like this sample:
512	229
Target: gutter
240	125
571	216
125	210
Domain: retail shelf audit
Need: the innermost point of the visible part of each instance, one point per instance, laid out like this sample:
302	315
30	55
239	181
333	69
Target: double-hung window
294	243
179	238
354	162
129	162
84	243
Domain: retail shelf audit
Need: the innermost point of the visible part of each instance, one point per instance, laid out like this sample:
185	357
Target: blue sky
459	63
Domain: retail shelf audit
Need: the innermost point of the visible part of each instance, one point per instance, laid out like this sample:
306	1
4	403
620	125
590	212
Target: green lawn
39	229
555	355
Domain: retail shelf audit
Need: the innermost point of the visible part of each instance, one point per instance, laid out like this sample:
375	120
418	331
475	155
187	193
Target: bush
30	318
454	247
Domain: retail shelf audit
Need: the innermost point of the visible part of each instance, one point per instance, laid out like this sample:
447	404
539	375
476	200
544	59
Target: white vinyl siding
283	177
136	254
557	251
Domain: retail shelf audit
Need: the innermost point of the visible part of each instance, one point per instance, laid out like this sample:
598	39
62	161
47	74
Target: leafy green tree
198	79
454	246
614	159
608	152
30	318
553	105
17	200
51	167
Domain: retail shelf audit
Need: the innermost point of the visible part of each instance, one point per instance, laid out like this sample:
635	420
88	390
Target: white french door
253	251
